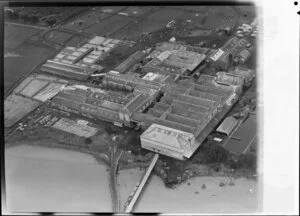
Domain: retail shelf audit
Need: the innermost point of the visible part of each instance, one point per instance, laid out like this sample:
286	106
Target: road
114	160
28	26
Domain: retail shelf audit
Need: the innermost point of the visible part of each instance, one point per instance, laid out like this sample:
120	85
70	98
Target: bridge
128	206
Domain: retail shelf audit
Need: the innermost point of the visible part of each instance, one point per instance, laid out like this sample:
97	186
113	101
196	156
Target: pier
128	207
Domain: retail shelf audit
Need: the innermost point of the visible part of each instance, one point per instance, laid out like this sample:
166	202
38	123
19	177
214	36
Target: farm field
151	23
221	17
109	25
191	8
136	11
86	20
112	9
164	15
29	57
16	107
14	36
58	36
75	41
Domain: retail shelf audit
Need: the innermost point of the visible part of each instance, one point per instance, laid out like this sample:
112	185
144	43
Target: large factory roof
169	141
171	138
66	69
173	58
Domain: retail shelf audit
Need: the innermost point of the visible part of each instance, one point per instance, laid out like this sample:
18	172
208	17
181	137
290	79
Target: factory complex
175	113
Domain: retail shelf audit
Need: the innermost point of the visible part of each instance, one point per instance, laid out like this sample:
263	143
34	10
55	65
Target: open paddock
137	11
164	15
75	41
135	31
109	25
30	56
112	9
220	17
86	20
15	35
194	8
16	107
58	36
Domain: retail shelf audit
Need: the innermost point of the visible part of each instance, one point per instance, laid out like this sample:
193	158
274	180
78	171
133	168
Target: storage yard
123	80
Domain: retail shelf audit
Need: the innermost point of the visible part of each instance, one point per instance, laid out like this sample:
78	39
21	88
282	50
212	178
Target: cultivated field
30	56
16	107
109	25
75	41
112	9
58	36
86	20
151	23
136	11
14	35
221	17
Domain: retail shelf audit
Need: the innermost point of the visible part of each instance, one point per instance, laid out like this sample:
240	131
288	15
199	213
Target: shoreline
212	183
101	160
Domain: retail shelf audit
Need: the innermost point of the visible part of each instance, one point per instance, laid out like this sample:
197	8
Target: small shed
227	125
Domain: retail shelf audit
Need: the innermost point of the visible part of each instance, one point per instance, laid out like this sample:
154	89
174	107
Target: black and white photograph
150	107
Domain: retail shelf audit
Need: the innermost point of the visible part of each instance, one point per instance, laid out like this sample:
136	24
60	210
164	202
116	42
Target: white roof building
168	141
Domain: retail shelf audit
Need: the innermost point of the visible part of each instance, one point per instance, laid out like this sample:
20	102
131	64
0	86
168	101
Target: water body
191	198
246	132
48	179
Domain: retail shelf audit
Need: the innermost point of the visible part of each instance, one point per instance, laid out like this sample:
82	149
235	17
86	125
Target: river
48	179
246	133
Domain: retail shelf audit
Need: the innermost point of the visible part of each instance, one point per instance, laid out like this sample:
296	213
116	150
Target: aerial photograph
131	108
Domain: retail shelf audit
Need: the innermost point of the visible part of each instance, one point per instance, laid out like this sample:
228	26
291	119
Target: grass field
165	15
153	22
86	20
58	36
14	36
16	107
136	11
29	57
75	41
109	25
112	9
191	8
220	17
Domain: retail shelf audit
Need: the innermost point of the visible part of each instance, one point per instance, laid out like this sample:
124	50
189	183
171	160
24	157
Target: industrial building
130	61
187	107
171	58
81	62
156	77
229	79
246	73
168	141
223	58
110	105
136	82
227	126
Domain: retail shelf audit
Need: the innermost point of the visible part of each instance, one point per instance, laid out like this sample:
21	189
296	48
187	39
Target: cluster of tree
214	152
28	17
247	161
14	15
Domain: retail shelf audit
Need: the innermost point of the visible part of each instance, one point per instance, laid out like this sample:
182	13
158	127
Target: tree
33	18
24	16
217	153
10	14
51	21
